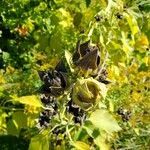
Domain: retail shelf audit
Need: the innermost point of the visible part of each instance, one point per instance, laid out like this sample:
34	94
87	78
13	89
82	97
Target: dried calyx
54	81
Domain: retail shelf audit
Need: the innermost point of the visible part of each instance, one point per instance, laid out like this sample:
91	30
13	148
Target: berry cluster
45	117
125	114
47	114
54	85
79	114
58	136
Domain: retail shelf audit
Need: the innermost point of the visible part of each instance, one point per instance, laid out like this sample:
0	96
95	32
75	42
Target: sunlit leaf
40	142
104	121
68	56
132	23
30	100
100	141
79	145
66	19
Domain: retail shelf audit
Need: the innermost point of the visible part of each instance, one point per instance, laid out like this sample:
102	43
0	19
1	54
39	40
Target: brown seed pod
86	56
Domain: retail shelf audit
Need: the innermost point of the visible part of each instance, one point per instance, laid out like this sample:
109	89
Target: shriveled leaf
30	100
104	121
79	145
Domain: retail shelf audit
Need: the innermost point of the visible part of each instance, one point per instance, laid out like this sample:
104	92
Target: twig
69	136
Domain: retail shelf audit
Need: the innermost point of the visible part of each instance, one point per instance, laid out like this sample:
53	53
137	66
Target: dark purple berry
98	18
119	16
125	114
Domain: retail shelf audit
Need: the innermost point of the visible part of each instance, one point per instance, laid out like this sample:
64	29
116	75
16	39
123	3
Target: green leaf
40	142
30	100
79	145
91	130
3	116
100	141
104	121
77	19
18	121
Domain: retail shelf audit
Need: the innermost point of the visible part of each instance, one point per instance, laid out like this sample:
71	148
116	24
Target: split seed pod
86	57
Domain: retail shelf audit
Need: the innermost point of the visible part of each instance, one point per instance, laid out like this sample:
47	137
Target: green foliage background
43	30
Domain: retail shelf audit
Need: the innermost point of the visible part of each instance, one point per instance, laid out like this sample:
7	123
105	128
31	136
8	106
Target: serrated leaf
79	145
30	100
104	121
126	47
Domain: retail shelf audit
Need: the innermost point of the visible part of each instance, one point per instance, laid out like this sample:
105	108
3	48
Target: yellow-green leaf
40	142
68	56
132	23
100	141
32	100
103	120
79	145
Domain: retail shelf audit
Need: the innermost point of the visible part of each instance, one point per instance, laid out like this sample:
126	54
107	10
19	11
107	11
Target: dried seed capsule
54	82
86	56
90	61
47	98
